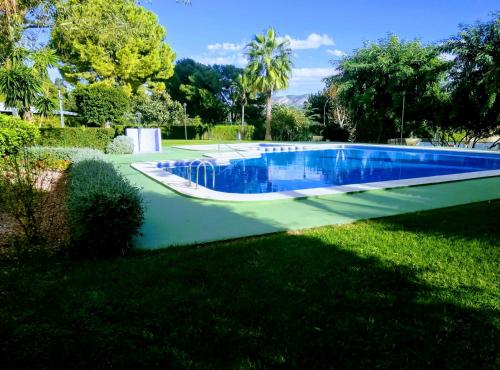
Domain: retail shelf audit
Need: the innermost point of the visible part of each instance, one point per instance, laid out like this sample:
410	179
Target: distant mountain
296	101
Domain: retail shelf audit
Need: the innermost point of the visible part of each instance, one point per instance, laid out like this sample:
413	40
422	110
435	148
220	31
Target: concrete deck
172	219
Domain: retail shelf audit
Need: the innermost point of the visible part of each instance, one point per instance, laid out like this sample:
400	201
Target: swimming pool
316	170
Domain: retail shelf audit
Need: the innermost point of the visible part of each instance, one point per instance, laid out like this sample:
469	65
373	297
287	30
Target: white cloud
313	41
226	46
308	80
308	73
447	57
238	59
336	52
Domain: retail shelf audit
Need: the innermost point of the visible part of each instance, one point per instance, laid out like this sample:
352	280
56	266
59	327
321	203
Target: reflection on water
283	171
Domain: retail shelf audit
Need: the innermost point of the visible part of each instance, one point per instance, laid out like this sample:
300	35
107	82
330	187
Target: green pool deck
172	219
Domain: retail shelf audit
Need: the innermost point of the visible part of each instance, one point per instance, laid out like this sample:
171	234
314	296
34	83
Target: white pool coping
187	188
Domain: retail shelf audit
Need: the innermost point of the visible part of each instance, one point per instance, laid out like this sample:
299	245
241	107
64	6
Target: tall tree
270	67
99	104
475	79
117	41
243	90
22	19
207	90
373	80
328	114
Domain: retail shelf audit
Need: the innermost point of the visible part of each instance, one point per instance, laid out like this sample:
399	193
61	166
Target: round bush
16	134
104	210
121	145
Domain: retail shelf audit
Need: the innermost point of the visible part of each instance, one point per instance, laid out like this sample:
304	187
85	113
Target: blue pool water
283	171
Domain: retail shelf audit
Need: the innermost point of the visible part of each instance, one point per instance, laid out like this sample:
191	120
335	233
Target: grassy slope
417	290
167	143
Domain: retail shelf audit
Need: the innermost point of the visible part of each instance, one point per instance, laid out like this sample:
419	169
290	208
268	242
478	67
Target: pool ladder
204	164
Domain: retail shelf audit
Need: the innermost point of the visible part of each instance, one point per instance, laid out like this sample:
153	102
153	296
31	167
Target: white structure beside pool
146	140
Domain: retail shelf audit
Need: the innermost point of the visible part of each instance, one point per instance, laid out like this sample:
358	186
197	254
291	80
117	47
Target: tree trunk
269	107
242	115
27	115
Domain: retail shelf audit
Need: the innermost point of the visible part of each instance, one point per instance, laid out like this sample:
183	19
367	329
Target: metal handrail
232	149
204	164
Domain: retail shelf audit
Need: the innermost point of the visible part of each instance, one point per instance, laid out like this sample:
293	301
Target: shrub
290	124
105	210
25	194
230	132
178	133
79	137
61	158
16	134
157	110
121	145
50	121
98	104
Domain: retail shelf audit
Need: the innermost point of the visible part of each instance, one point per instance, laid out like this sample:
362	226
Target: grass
168	143
412	291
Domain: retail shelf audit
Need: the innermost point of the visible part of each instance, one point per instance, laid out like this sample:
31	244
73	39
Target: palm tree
244	91
23	79
270	67
45	105
20	87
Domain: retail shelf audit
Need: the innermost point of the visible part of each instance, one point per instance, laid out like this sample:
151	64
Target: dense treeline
118	69
449	91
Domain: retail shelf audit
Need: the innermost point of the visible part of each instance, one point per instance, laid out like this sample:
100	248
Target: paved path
172	219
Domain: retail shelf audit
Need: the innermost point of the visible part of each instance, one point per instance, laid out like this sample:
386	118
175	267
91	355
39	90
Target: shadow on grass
477	221
281	301
471	224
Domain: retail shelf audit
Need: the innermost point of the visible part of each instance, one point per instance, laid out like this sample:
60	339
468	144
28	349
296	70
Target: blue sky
213	31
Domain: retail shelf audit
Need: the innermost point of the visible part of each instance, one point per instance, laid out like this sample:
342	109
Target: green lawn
168	143
411	291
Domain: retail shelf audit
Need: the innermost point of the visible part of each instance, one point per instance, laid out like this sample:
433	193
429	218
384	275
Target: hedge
178	133
104	209
98	104
230	132
16	134
72	155
76	137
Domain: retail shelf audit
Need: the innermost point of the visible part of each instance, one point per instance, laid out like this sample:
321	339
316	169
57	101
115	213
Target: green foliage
230	132
372	81
22	18
50	121
25	186
121	145
45	106
116	41
16	134
157	110
207	90
24	80
243	91
335	297
105	210
79	137
328	115
269	68
70	155
20	86
195	130
475	79
290	124
98	104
